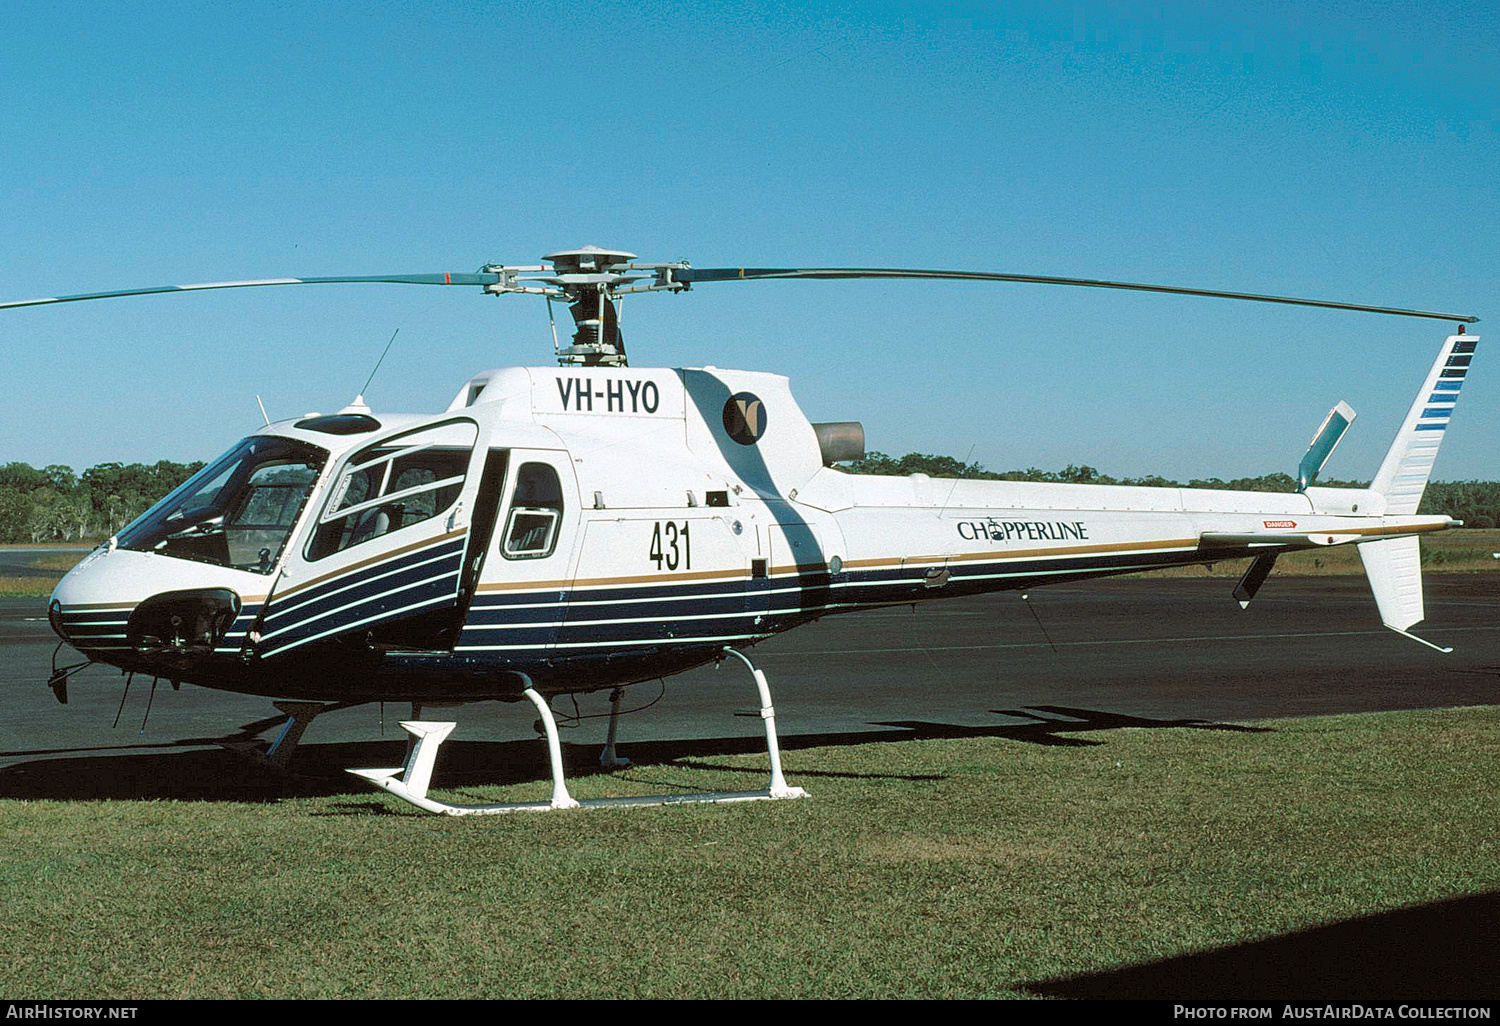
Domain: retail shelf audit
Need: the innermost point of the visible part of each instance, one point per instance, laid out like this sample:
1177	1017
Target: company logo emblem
1279	523
744	418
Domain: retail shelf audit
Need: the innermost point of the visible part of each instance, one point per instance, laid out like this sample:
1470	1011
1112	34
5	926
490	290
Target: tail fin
1394	565
1403	475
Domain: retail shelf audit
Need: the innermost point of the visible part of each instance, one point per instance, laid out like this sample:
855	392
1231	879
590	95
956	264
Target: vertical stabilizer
1403	475
1394	566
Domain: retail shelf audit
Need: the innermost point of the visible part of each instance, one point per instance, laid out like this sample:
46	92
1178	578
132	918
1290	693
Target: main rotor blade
481	278
698	274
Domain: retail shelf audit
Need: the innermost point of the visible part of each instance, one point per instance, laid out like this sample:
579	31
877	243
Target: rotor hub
588	260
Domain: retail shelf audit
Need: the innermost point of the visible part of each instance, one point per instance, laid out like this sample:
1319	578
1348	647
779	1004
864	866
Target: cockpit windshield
237	511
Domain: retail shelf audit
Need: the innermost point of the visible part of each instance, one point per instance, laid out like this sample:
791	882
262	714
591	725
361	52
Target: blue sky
1341	151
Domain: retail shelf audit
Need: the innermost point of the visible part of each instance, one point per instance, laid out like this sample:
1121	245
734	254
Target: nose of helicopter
149	613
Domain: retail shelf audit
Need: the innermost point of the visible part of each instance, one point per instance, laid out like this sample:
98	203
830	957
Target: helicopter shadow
1443	950
1050	730
199	769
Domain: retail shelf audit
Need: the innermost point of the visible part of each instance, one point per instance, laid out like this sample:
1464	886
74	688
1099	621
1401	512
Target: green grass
62	564
961	868
26	587
29	585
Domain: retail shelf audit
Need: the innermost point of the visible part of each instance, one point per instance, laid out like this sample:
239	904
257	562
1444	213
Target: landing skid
609	759
410	782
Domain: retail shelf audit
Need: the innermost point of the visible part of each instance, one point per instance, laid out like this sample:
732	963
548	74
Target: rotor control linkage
410	782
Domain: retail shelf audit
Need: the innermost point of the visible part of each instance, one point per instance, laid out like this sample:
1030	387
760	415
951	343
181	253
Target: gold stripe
584	582
1416	529
800	568
245	600
1122	548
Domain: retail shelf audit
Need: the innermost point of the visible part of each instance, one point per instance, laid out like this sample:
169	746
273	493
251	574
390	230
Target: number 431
670	546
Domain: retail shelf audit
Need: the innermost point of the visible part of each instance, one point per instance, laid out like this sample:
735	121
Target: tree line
1476	503
55	504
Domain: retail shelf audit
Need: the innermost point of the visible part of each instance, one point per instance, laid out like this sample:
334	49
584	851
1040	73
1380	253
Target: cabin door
523	578
383	556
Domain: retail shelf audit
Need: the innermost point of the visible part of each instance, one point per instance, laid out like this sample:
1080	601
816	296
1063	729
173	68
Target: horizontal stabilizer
1265	539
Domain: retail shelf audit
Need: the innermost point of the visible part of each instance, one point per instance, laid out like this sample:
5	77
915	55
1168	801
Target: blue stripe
375	592
640	591
364	596
866	587
281	602
576	613
1443	398
671	630
368	613
538	636
1431	427
1448	386
1431	412
504	624
357	588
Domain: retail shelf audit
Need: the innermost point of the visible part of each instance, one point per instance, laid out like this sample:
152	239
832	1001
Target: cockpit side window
258	524
535	513
394	484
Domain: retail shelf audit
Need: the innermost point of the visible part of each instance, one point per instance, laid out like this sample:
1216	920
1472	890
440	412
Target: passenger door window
394	484
535	513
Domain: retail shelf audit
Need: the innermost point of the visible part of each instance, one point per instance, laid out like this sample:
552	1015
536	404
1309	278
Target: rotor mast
593	282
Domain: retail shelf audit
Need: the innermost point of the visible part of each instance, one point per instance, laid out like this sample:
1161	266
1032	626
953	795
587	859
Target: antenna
378	362
960	477
262	411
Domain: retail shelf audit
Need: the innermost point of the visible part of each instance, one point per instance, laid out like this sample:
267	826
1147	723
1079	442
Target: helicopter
591	525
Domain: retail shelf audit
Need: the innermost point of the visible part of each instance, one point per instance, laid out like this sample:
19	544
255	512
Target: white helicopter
587	526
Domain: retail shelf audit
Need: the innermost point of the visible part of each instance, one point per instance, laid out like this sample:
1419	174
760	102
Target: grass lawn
954	868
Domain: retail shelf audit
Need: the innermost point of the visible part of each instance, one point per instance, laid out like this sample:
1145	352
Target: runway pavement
1150	651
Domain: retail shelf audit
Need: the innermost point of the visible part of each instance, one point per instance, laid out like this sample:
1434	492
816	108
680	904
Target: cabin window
394	484
536	509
